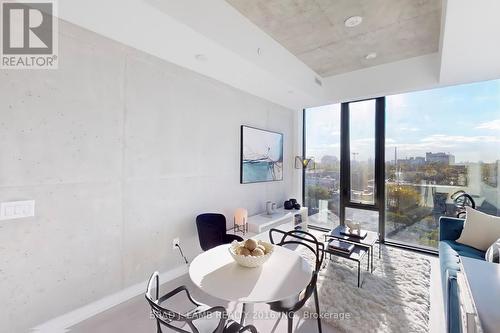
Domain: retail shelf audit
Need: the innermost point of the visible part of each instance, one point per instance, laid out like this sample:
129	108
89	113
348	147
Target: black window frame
345	164
379	204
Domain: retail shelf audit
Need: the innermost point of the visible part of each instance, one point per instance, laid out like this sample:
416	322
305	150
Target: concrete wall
121	151
177	30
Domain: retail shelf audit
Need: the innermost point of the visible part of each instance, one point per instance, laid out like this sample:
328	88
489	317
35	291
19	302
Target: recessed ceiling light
371	55
353	21
200	57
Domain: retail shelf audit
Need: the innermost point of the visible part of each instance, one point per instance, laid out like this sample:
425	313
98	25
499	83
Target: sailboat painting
261	155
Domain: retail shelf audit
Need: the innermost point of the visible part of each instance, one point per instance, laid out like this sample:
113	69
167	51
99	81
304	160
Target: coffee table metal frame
368	242
357	255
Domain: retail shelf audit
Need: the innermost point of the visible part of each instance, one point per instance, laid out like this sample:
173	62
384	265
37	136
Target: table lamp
240	220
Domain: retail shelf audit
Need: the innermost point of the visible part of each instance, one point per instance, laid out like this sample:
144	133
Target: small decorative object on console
240	219
270	207
291	204
297	219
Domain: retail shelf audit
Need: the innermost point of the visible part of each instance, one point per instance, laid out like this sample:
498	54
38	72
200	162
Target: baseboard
62	323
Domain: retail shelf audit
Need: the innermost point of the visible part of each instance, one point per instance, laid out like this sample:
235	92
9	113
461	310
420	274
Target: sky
462	120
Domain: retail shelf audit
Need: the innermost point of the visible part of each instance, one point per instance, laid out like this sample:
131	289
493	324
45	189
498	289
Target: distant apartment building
412	161
441	158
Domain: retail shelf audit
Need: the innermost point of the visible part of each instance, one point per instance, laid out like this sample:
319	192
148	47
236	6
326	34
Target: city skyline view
441	144
440	120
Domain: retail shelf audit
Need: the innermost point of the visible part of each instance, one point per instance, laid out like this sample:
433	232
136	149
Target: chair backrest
163	315
299	238
304	239
167	317
461	199
211	229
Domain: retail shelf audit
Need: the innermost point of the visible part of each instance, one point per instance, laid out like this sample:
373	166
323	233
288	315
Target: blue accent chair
212	231
450	251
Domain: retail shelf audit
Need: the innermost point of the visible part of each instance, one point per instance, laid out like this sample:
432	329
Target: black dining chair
299	239
210	319
212	231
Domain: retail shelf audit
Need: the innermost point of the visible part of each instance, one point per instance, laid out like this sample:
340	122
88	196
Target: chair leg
277	322
316	300
243	314
158	326
290	322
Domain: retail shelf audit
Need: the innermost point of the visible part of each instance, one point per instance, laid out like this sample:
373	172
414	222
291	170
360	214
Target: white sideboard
262	222
283	219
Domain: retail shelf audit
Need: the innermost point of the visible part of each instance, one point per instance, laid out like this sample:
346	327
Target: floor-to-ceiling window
362	151
322	177
360	200
437	143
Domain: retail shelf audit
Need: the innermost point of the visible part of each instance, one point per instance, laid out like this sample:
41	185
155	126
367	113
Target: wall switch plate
17	209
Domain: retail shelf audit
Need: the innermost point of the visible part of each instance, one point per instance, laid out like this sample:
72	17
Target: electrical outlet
175	242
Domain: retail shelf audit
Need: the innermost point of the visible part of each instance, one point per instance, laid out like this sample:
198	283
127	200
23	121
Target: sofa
449	259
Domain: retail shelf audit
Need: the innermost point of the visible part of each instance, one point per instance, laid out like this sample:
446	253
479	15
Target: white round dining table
283	275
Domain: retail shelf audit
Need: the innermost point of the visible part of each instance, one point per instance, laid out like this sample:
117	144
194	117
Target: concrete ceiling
242	55
314	30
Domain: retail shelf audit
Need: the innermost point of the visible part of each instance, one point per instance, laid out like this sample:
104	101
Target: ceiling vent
318	81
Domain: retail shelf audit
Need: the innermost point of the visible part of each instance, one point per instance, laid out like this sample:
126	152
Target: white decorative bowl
250	261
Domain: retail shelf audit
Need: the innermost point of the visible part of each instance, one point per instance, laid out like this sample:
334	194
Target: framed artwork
261	157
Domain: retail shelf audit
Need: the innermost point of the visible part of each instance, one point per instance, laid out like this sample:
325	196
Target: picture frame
261	155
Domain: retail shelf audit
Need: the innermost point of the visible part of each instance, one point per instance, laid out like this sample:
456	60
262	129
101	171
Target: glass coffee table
368	242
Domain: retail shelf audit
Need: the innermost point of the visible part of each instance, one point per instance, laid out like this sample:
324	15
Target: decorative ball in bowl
251	252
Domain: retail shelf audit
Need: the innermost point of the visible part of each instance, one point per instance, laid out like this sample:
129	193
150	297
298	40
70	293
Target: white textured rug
394	298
